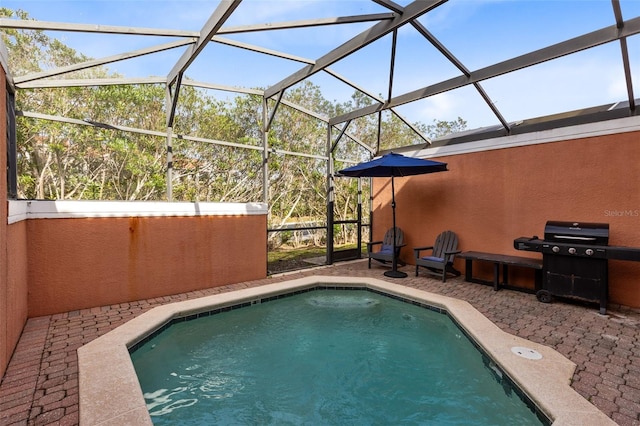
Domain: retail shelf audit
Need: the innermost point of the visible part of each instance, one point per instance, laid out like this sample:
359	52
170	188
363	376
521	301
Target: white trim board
601	128
40	209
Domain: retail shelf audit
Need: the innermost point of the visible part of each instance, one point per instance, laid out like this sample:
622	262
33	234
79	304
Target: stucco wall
16	282
80	263
491	197
13	286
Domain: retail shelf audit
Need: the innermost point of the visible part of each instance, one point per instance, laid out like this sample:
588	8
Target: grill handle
571	237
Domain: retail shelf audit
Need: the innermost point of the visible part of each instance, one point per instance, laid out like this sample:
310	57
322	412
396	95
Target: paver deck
40	386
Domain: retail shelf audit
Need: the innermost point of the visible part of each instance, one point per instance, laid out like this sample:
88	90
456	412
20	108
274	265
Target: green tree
58	160
440	128
62	160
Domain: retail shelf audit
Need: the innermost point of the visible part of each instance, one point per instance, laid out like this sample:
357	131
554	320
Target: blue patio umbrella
394	165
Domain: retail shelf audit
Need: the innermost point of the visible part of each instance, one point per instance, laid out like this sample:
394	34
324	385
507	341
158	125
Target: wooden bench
505	261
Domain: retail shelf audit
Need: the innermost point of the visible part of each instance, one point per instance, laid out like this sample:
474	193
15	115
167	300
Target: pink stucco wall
83	263
13	284
489	198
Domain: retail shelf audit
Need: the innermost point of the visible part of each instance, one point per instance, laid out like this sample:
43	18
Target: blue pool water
324	357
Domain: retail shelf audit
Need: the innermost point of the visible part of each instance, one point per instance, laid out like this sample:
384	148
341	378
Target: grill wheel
544	296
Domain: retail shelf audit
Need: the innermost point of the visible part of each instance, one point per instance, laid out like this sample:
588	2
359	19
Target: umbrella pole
394	273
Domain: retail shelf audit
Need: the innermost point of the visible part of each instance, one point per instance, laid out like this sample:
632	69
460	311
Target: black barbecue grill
575	260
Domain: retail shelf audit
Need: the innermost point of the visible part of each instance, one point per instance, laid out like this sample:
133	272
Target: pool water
324	357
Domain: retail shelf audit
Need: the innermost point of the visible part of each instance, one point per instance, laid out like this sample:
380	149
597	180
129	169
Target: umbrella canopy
394	165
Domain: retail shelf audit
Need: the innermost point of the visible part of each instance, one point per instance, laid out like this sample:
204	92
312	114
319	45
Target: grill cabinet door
578	277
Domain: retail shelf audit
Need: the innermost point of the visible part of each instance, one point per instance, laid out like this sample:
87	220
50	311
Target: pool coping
110	393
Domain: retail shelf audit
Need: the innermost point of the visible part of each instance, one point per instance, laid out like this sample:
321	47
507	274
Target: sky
478	32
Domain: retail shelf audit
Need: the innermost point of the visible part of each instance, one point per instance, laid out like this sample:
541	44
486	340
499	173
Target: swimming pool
110	392
325	356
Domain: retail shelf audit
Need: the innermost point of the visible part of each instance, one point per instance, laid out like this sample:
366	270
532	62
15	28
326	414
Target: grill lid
577	232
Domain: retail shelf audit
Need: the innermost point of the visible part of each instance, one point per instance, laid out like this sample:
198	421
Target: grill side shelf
623	253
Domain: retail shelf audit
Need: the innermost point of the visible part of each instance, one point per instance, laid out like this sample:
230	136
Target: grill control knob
555	249
572	250
588	252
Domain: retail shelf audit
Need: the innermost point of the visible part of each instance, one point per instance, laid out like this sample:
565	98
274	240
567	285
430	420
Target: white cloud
442	105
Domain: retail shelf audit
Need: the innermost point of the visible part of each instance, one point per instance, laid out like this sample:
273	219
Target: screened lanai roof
492	63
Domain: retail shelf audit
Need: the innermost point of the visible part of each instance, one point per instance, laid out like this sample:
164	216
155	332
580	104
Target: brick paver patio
40	386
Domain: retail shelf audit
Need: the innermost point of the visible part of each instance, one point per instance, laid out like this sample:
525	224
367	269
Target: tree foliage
98	160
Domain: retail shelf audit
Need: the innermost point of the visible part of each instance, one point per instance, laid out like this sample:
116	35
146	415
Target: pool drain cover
526	352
